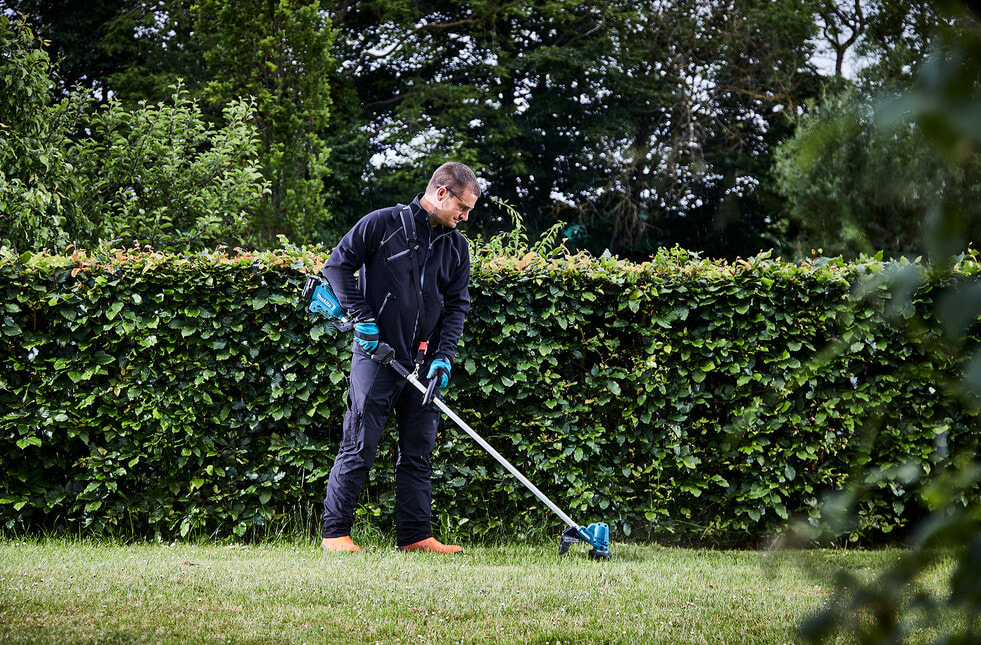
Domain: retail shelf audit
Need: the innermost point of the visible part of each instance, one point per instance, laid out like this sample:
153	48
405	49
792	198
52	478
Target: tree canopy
630	125
649	123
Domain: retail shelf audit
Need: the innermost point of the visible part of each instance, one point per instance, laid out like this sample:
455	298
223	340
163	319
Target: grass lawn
71	591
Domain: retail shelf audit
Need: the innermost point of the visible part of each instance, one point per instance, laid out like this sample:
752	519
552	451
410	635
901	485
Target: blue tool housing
325	302
597	535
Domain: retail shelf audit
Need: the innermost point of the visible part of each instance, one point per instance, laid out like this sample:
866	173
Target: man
411	292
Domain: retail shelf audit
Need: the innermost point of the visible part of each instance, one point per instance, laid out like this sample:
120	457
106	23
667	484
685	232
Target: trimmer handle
430	391
385	355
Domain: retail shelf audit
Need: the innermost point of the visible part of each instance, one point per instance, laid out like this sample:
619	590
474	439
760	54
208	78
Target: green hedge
679	399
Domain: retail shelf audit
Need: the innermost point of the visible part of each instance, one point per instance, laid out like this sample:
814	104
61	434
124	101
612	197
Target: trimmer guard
597	535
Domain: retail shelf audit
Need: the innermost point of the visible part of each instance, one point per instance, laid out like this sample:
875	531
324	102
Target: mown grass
80	592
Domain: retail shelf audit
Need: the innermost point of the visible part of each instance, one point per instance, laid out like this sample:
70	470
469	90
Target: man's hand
366	335
439	373
440	369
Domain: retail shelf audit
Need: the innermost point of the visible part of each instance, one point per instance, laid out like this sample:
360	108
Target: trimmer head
598	535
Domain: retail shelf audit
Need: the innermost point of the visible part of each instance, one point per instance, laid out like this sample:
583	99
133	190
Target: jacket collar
422	217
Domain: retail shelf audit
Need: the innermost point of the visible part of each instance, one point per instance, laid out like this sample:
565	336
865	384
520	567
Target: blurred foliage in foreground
945	103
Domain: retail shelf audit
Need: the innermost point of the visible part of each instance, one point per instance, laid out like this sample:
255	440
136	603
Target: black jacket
376	247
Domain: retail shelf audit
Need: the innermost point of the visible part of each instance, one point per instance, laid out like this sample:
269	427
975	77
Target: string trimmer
597	534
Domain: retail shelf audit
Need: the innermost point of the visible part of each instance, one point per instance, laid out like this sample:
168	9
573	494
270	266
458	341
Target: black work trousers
375	391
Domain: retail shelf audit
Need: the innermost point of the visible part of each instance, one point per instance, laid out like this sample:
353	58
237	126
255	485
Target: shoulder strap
409	227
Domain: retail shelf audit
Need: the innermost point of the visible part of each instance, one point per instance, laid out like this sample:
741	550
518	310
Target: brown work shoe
432	544
340	544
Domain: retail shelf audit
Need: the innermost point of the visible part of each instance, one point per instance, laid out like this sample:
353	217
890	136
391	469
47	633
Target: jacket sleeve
347	258
456	304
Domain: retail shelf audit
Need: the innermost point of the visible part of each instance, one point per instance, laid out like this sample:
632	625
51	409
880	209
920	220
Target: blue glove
366	335
440	368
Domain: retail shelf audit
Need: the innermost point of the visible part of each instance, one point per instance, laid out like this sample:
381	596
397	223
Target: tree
486	83
161	175
128	49
35	179
899	36
742	68
870	190
854	186
157	174
274	51
75	32
842	24
879	41
645	121
277	51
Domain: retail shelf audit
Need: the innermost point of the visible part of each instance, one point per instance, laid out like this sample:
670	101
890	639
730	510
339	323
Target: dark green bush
679	399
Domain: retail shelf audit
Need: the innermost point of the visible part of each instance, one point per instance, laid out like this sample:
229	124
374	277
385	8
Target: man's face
452	208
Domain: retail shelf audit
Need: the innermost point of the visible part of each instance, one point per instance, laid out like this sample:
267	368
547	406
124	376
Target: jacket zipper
388	296
422	277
